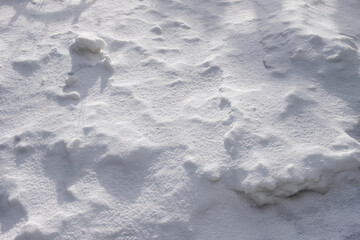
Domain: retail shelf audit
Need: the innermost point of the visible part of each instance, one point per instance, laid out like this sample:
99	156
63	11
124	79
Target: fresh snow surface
180	119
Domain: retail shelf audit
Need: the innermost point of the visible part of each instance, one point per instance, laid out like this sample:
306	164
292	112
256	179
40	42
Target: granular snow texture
179	119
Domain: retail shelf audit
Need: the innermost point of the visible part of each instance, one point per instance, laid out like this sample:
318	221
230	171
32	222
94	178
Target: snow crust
180	120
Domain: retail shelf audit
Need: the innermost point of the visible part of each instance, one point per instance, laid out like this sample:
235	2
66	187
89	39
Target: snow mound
87	50
273	169
91	43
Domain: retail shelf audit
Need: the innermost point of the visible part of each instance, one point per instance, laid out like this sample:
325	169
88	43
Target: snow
179	119
86	42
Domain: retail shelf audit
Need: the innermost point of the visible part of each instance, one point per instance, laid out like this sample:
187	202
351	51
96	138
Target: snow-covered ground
180	119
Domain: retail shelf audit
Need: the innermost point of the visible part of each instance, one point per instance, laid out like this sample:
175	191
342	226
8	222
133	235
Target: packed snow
180	119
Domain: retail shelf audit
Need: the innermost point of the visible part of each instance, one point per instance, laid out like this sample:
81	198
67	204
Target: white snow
87	42
179	119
